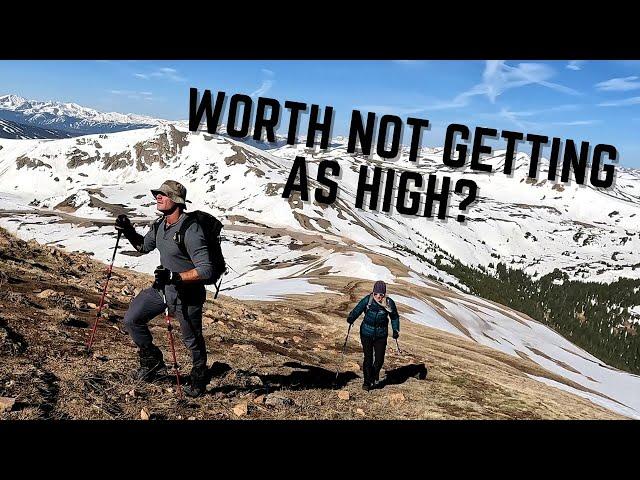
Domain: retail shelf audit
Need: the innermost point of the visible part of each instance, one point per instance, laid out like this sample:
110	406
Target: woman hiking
378	309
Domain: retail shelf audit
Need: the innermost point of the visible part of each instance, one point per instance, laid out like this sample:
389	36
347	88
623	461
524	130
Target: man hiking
378	309
180	275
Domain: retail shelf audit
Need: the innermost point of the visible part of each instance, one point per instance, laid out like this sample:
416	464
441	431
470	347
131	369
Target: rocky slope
269	360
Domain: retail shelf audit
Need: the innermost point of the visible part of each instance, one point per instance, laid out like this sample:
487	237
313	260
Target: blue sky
596	101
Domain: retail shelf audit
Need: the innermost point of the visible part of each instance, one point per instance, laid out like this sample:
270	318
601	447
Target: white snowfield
589	233
513	333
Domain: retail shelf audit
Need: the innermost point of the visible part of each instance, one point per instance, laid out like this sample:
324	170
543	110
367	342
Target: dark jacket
172	258
376	320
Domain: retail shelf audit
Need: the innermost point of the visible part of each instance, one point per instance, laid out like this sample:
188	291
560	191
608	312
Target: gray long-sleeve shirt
172	258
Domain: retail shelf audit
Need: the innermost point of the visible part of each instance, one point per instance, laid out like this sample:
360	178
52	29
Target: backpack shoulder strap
156	224
180	234
366	309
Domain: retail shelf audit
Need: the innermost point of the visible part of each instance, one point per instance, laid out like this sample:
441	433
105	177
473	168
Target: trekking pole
173	348
342	356
399	351
104	291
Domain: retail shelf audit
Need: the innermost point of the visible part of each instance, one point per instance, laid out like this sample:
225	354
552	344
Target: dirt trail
268	360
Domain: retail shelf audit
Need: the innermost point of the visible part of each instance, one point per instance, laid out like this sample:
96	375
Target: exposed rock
24	161
79	303
120	160
360	412
343	395
297	339
396	398
144	414
77	158
259	399
48	293
6	404
241	409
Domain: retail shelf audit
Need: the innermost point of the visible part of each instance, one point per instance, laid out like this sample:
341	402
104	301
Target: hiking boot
198	384
366	386
151	364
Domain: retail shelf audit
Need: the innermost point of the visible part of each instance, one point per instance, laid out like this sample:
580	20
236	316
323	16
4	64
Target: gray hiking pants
148	304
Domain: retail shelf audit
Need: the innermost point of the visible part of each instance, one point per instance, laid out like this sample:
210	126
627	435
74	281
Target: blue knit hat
380	287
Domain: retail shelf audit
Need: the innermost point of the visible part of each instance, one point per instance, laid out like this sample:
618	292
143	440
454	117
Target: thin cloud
498	77
129	92
531	113
164	73
133	95
517	117
264	88
621	103
623	84
577	123
267	83
575	65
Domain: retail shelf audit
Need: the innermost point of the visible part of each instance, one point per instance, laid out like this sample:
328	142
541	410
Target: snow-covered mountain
535	225
278	247
18	131
69	117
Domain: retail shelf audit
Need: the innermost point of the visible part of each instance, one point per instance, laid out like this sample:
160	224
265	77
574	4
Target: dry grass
286	350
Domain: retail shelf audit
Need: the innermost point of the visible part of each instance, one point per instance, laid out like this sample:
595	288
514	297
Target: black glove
350	320
123	223
396	334
165	277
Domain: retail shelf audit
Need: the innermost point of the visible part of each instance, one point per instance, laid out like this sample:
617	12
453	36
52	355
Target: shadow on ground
402	374
304	377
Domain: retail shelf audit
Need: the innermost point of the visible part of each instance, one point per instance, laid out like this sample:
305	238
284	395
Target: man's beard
168	212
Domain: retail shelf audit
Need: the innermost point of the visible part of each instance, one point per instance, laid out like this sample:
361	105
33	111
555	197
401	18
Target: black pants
148	304
373	349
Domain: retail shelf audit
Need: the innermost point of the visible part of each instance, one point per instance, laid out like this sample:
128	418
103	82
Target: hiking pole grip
104	292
